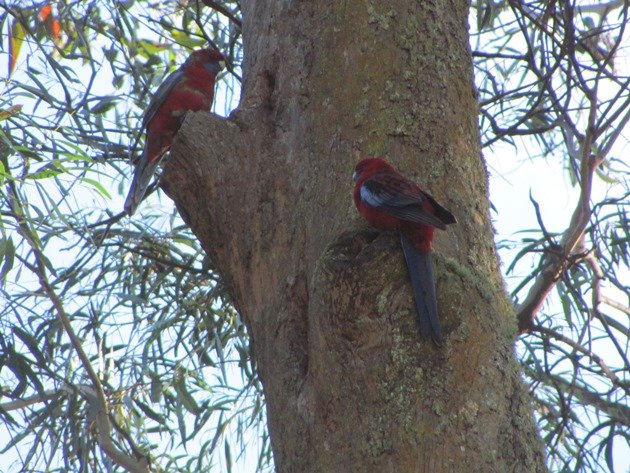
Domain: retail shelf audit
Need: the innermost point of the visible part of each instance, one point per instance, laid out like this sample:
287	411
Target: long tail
420	266
145	169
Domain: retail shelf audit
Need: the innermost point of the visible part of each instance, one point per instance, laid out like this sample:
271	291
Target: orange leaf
4	114
50	22
45	11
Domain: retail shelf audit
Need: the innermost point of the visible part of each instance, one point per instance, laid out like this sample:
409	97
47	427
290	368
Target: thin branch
579	348
224	11
601	8
616	411
553	268
596	280
616	305
29	401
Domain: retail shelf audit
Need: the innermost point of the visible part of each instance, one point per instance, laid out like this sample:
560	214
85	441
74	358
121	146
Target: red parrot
389	201
191	87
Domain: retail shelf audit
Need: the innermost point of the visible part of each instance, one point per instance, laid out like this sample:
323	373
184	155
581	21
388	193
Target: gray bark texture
350	386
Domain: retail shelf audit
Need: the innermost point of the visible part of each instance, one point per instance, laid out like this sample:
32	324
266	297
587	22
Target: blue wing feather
399	201
160	95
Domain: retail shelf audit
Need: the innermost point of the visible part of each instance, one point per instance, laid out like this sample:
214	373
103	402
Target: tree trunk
350	385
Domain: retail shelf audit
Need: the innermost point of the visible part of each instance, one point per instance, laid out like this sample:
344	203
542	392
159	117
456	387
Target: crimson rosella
191	87
389	201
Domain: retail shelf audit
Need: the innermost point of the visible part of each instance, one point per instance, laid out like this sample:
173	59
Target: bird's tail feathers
420	266
145	169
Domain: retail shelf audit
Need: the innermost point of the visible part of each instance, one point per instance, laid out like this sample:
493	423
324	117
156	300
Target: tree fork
349	384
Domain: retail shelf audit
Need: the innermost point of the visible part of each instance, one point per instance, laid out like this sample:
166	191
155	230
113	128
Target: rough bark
349	384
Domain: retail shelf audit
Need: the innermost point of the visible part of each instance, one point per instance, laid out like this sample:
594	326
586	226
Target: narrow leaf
17	34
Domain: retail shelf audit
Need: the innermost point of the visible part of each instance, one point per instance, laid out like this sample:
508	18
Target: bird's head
209	58
370	166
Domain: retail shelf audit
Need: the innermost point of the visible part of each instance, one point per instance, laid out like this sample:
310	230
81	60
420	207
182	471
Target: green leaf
49	170
184	396
17	34
485	14
149	49
228	456
150	412
156	389
184	39
98	186
15	440
104	105
7	257
31	344
181	424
